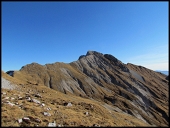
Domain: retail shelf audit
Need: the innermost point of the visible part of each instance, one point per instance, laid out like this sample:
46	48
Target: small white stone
26	93
69	104
28	99
37	120
6	101
52	124
37	95
42	104
26	119
36	101
11	104
4	93
19	98
47	114
6	98
19	120
86	113
48	108
12	98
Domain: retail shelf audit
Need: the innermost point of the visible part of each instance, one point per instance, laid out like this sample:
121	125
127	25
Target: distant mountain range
164	72
129	89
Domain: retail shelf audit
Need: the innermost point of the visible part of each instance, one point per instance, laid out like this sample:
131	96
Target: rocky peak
94	53
97	54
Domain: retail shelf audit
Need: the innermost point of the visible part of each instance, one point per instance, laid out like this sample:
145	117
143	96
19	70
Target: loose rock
3	93
48	108
29	99
46	114
6	98
86	113
26	119
68	104
19	120
42	104
38	95
20	98
37	120
36	101
52	124
11	104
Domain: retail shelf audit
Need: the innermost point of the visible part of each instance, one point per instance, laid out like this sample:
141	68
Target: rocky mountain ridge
135	90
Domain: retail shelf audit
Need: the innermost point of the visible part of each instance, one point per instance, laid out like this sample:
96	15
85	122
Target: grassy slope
67	116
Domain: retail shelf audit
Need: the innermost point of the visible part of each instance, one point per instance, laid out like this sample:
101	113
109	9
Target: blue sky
48	32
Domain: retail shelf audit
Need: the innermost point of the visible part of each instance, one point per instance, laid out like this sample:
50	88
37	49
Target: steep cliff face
134	89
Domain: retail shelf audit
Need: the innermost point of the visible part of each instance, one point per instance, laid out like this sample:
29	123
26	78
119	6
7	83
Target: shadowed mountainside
135	90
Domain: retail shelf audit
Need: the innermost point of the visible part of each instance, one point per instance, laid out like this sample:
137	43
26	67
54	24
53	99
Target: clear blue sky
49	32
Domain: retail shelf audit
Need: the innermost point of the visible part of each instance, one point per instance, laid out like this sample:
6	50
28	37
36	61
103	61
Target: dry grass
63	115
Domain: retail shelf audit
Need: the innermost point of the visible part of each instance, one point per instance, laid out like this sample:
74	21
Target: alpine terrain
96	90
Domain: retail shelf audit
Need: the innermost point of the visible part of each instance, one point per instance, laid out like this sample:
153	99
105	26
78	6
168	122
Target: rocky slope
31	105
135	90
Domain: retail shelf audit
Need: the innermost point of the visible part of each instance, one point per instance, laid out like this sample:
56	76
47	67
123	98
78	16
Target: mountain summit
131	89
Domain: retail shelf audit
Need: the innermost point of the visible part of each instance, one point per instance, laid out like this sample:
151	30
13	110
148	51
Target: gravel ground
7	84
